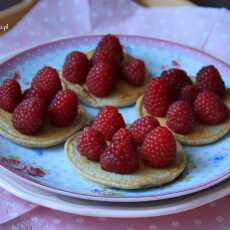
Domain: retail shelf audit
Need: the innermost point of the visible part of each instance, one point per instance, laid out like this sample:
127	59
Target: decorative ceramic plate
84	207
207	165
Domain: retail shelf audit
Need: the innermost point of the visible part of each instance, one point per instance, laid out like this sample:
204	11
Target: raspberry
209	78
91	144
177	79
108	121
10	95
112	43
29	116
100	80
120	156
210	109
157	97
134	72
123	137
76	67
33	92
141	127
159	148
47	80
180	117
63	109
189	93
109	50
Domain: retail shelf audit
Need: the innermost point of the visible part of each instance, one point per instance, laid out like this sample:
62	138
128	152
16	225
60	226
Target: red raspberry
189	93
123	137
10	95
120	156
109	50
180	117
76	67
157	97
177	79
29	116
108	121
33	92
210	109
159	148
209	78
134	72
47	80
141	127
100	80
63	109
91	144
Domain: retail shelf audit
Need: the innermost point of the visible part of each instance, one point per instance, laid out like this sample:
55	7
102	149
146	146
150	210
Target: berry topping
141	127
120	156
208	78
108	121
33	92
10	95
47	80
189	93
134	72
180	117
63	109
157	97
159	148
91	144
177	79
109	50
29	116
76	67
210	109
100	80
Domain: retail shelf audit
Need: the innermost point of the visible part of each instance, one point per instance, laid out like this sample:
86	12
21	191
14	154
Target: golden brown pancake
143	178
202	134
123	95
49	136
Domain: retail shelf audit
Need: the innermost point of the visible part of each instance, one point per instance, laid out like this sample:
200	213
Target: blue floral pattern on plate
207	165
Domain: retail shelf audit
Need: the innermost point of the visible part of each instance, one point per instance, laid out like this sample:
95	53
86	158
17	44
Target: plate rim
102	197
50	201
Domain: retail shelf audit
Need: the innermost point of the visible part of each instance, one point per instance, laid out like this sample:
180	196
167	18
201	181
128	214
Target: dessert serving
196	113
143	155
43	115
105	76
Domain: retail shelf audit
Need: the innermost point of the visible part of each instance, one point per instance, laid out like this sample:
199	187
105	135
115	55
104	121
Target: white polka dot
197	222
213	204
56	221
152	227
219	219
35	219
130	228
60	3
175	224
80	220
44	5
15	227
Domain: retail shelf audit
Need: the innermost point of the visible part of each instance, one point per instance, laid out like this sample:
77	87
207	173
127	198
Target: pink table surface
204	28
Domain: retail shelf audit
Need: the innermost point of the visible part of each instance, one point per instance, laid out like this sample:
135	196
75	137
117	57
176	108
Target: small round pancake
123	95
48	137
202	134
145	176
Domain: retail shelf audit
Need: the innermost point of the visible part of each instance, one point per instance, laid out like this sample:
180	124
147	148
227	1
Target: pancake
49	136
143	178
123	95
202	134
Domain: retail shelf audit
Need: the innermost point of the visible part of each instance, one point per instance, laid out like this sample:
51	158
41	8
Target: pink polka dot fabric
203	28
